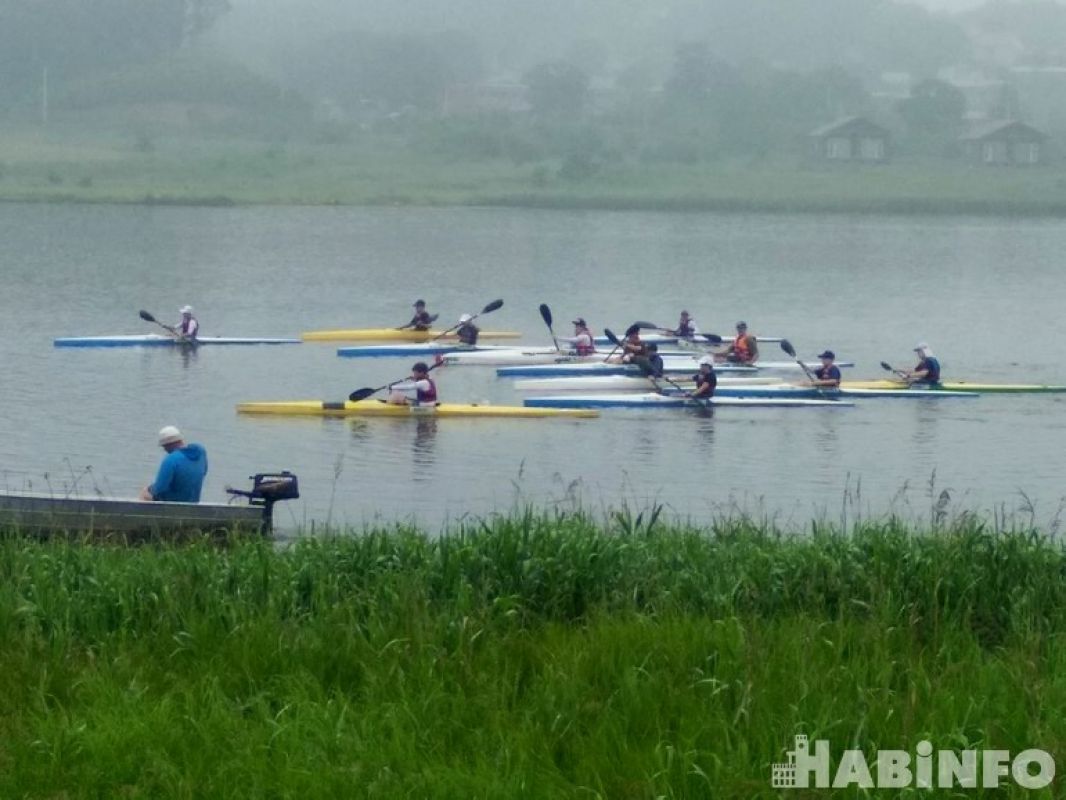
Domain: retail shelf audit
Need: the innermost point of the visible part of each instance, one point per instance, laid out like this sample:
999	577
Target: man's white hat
169	435
186	310
465	318
707	360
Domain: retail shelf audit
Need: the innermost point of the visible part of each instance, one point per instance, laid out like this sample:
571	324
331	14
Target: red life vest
740	347
584	347
428	395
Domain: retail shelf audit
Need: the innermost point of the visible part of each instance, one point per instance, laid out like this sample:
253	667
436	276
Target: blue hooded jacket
181	475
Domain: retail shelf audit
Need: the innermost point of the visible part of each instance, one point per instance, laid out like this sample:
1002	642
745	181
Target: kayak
431	349
964	386
655	400
624	383
672	365
809	392
665	338
393	335
515	356
597	368
379	408
157	340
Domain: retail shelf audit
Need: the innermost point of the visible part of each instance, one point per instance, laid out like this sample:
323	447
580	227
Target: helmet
169	435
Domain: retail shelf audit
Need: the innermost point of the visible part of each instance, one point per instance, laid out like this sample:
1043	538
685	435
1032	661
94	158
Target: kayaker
827	376
422	319
584	342
743	350
706	380
187	327
418	390
467	331
686	327
927	372
633	347
181	473
652	363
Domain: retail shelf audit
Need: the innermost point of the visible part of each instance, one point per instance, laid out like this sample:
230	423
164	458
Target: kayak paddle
366	391
889	368
493	306
546	315
172	331
786	345
636	326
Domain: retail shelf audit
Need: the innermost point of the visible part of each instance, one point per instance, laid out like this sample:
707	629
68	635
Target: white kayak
672	365
655	400
515	356
625	383
666	338
157	340
434	349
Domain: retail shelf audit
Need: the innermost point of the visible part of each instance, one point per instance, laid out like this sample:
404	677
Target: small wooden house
1004	142
850	139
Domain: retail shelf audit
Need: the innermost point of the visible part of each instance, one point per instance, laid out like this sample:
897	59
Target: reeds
530	655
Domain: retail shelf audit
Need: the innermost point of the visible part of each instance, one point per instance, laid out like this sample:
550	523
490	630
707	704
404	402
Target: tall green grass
524	656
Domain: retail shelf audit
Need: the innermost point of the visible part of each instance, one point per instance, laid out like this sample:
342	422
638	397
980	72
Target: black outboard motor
267	489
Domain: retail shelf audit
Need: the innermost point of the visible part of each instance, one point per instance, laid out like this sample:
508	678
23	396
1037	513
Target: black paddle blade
360	394
712	338
145	316
786	345
634	328
433	318
546	314
886	366
611	337
493	306
644	324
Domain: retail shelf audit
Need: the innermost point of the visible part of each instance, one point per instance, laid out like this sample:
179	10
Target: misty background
576	87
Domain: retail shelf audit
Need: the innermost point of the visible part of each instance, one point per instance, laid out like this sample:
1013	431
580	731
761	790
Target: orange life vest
740	347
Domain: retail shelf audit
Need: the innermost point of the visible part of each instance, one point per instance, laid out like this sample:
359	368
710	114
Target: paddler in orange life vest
584	343
743	350
419	390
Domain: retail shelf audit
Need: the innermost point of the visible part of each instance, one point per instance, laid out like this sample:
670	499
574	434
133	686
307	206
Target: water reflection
423	446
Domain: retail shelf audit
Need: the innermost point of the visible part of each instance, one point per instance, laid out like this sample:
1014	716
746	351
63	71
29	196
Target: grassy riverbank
380	171
524	657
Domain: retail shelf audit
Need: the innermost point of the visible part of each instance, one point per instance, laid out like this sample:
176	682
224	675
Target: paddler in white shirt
686	327
584	343
419	390
187	327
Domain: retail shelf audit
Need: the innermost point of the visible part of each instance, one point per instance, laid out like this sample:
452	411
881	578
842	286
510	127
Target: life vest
189	327
428	395
422	321
702	380
637	348
686	330
467	333
932	366
584	344
740	347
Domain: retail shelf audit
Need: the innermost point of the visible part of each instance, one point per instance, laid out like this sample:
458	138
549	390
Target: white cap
169	435
707	360
186	310
465	318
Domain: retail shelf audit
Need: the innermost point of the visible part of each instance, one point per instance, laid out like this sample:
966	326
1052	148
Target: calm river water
987	294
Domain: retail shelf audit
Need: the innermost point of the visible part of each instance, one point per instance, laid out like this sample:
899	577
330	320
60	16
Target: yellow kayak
962	386
379	408
393	335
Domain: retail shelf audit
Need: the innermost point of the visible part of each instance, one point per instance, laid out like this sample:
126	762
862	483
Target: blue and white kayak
810	393
433	349
655	400
156	340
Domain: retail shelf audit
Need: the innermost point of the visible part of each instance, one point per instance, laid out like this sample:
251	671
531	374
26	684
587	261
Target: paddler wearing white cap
188	327
467	332
181	473
928	369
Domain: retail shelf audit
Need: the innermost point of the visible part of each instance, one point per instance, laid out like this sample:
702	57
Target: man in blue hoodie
181	475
